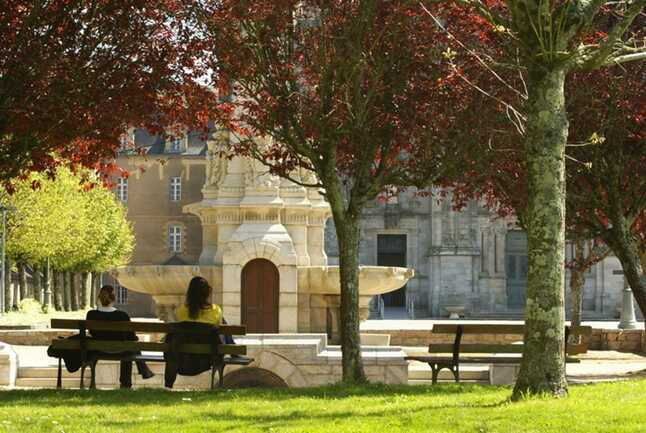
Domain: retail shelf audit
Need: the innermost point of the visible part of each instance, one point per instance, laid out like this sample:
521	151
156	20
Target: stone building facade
161	176
467	261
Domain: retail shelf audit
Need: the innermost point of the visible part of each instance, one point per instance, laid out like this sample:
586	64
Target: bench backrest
84	326
459	330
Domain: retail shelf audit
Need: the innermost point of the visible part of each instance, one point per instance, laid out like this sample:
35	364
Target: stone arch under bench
269	369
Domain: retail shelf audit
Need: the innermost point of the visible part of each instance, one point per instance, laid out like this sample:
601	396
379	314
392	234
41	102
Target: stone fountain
262	252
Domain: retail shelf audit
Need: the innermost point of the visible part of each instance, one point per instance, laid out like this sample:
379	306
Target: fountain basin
168	281
373	280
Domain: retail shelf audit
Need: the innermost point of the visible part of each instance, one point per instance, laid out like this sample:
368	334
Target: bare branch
603	54
626	58
472	53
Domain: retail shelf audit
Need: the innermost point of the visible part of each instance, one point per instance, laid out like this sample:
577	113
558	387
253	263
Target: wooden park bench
92	349
483	353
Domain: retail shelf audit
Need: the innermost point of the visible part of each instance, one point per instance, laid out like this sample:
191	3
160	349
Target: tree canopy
338	89
520	56
76	224
75	74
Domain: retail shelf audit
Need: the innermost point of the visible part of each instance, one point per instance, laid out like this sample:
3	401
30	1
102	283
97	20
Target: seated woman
106	311
197	308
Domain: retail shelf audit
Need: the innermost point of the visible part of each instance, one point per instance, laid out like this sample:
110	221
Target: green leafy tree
73	222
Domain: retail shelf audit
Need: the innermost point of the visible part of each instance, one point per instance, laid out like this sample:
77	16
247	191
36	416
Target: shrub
30	306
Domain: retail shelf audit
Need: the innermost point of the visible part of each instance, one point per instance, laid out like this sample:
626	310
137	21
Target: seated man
107	312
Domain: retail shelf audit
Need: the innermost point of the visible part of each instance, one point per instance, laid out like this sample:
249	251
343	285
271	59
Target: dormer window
127	140
176	142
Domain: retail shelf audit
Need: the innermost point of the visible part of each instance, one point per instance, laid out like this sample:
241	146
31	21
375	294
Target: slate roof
157	144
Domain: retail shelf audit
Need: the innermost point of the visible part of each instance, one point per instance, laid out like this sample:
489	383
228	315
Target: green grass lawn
608	408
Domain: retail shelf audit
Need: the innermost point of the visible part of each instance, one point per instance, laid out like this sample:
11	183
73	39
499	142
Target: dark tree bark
349	273
625	247
542	369
86	290
74	291
16	296
577	283
57	290
37	283
22	282
67	291
348	231
96	285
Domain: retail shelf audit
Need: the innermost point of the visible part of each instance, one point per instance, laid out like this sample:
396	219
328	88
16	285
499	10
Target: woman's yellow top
211	314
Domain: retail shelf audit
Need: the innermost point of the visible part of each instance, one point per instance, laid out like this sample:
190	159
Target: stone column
288	299
231	292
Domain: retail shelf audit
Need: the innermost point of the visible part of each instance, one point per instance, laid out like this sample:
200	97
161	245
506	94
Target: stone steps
45	376
107	378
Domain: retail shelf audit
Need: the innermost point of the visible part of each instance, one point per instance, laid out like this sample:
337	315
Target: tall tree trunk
74	291
577	283
57	290
47	286
348	233
37	284
542	369
16	296
624	245
96	285
8	288
86	290
67	292
22	282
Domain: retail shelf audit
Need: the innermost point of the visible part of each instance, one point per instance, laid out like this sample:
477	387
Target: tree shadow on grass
160	397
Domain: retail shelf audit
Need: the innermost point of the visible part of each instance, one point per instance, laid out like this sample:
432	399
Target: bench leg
212	378
456	373
83	367
435	370
93	373
59	378
221	376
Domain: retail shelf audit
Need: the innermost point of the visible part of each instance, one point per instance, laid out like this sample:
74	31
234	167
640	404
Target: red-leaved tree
542	43
340	89
75	74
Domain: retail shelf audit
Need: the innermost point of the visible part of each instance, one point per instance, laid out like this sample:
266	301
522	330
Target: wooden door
516	268
391	251
260	296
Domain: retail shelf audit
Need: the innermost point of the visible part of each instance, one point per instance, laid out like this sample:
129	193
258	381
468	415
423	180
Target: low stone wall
306	359
8	365
633	340
602	339
294	360
33	337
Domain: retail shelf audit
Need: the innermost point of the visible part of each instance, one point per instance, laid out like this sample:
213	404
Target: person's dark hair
106	295
197	296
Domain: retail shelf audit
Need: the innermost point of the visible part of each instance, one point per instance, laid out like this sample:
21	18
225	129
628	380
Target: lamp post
47	295
627	317
3	266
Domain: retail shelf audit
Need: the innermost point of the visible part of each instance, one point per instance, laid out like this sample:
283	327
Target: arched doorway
260	296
